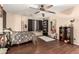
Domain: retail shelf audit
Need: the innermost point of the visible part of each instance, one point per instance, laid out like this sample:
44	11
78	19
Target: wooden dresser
66	34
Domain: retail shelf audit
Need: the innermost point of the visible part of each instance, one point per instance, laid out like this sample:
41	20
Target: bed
19	37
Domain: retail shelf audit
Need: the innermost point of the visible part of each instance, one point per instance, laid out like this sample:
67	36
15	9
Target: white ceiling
23	9
18	8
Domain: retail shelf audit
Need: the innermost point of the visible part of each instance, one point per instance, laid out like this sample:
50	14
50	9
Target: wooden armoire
66	34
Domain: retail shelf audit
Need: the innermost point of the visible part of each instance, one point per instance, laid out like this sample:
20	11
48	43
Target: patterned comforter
21	37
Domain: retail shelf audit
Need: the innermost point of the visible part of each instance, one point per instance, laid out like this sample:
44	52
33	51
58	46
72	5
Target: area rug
3	50
46	39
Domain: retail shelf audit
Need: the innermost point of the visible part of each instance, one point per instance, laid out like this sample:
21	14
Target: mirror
53	28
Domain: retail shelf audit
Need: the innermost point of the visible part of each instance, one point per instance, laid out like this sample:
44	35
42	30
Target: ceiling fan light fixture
32	5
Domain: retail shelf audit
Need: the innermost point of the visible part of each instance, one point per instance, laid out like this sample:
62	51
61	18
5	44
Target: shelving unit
45	27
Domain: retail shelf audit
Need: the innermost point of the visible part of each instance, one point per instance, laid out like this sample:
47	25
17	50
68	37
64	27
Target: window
34	25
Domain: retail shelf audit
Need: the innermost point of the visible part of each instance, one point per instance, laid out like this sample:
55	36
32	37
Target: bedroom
45	23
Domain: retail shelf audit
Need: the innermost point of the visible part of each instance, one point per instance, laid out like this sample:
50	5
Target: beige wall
62	21
24	21
15	21
10	21
75	15
50	19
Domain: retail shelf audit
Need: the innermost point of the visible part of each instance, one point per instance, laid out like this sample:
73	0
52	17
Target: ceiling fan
44	8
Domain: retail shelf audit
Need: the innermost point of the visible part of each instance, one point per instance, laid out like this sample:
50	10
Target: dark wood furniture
45	27
66	34
4	19
3	15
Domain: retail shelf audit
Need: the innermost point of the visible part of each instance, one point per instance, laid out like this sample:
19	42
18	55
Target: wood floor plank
42	47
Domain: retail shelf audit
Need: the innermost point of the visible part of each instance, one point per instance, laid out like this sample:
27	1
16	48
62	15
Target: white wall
76	31
75	15
62	21
14	21
10	21
24	21
17	22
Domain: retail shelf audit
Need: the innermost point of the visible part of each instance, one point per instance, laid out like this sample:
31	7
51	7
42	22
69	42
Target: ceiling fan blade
49	6
36	12
51	12
34	8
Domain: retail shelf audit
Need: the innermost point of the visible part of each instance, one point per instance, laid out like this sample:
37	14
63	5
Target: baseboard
76	43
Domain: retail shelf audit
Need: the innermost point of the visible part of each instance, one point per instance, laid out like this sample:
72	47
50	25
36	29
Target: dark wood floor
54	47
